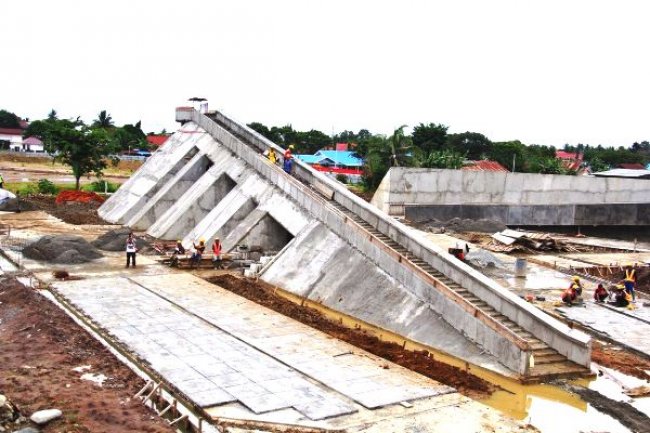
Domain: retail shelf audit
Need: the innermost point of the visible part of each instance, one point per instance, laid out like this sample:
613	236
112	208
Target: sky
543	72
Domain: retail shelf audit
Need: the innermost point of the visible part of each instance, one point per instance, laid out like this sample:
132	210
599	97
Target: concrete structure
513	198
210	179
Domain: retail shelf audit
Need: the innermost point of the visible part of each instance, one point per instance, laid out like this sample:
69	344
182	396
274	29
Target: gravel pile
465	225
115	240
64	249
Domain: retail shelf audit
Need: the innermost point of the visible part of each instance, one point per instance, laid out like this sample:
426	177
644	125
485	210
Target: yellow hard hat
178	241
291	146
202	241
576	278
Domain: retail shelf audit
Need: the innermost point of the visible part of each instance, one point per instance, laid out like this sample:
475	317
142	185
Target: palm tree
104	120
400	146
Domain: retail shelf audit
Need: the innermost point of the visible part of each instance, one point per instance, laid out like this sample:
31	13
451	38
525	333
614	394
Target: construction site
436	306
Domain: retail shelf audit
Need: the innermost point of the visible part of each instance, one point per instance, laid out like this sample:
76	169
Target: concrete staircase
547	361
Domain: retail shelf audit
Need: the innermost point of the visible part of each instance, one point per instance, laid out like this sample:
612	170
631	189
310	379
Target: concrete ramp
338	250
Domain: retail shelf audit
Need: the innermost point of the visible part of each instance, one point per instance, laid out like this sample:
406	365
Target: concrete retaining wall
414	186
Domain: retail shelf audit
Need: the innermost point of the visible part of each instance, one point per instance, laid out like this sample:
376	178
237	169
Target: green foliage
104	120
342	178
508	153
430	137
545	165
471	144
101	186
73	143
25	189
9	119
596	164
445	158
401	147
128	137
46	187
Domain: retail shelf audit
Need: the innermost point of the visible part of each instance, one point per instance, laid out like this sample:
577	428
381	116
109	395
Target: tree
377	161
73	143
508	153
430	137
445	158
129	137
104	120
400	147
52	115
9	119
473	144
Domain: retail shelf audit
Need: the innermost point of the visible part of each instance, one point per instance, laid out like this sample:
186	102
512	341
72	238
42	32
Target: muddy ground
40	347
614	357
420	362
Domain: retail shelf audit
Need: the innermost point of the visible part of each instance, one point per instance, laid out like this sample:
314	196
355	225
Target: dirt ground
611	356
40	347
70	212
420	362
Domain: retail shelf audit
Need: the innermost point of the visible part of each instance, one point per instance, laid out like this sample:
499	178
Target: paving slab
182	350
354	375
622	328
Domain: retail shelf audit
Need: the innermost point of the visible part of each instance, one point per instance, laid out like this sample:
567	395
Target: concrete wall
411	186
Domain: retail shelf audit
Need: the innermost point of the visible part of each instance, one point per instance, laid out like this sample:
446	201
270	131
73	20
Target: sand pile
115	240
64	249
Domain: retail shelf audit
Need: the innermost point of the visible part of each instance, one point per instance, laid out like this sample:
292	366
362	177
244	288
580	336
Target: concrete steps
546	359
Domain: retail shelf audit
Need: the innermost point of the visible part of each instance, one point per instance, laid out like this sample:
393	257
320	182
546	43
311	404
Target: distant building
631	166
157	140
336	162
11	139
625	173
33	144
483	165
570	160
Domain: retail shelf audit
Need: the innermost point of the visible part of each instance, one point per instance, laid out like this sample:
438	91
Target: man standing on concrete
288	159
131	249
630	281
216	254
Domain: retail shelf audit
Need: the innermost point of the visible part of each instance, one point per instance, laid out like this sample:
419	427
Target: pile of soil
70	212
65	249
40	347
78	196
614	357
419	361
115	240
463	225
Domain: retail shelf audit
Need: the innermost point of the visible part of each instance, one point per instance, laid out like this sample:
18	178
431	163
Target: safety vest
629	274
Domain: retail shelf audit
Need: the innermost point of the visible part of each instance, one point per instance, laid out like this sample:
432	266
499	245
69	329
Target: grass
27	188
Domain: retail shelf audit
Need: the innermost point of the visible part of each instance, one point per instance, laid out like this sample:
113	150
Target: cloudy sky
547	72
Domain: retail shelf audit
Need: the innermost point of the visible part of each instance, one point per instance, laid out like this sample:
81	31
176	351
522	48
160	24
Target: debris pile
78	196
62	249
464	225
527	242
17	205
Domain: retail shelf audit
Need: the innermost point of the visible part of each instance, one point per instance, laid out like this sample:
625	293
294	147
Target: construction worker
131	249
601	293
288	158
576	285
630	281
179	248
197	255
216	254
621	297
569	296
272	156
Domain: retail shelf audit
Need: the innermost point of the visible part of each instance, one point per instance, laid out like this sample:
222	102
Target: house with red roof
157	140
483	165
570	160
11	138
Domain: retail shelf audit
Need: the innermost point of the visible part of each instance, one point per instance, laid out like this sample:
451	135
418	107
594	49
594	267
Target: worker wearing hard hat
630	281
288	159
197	254
576	285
